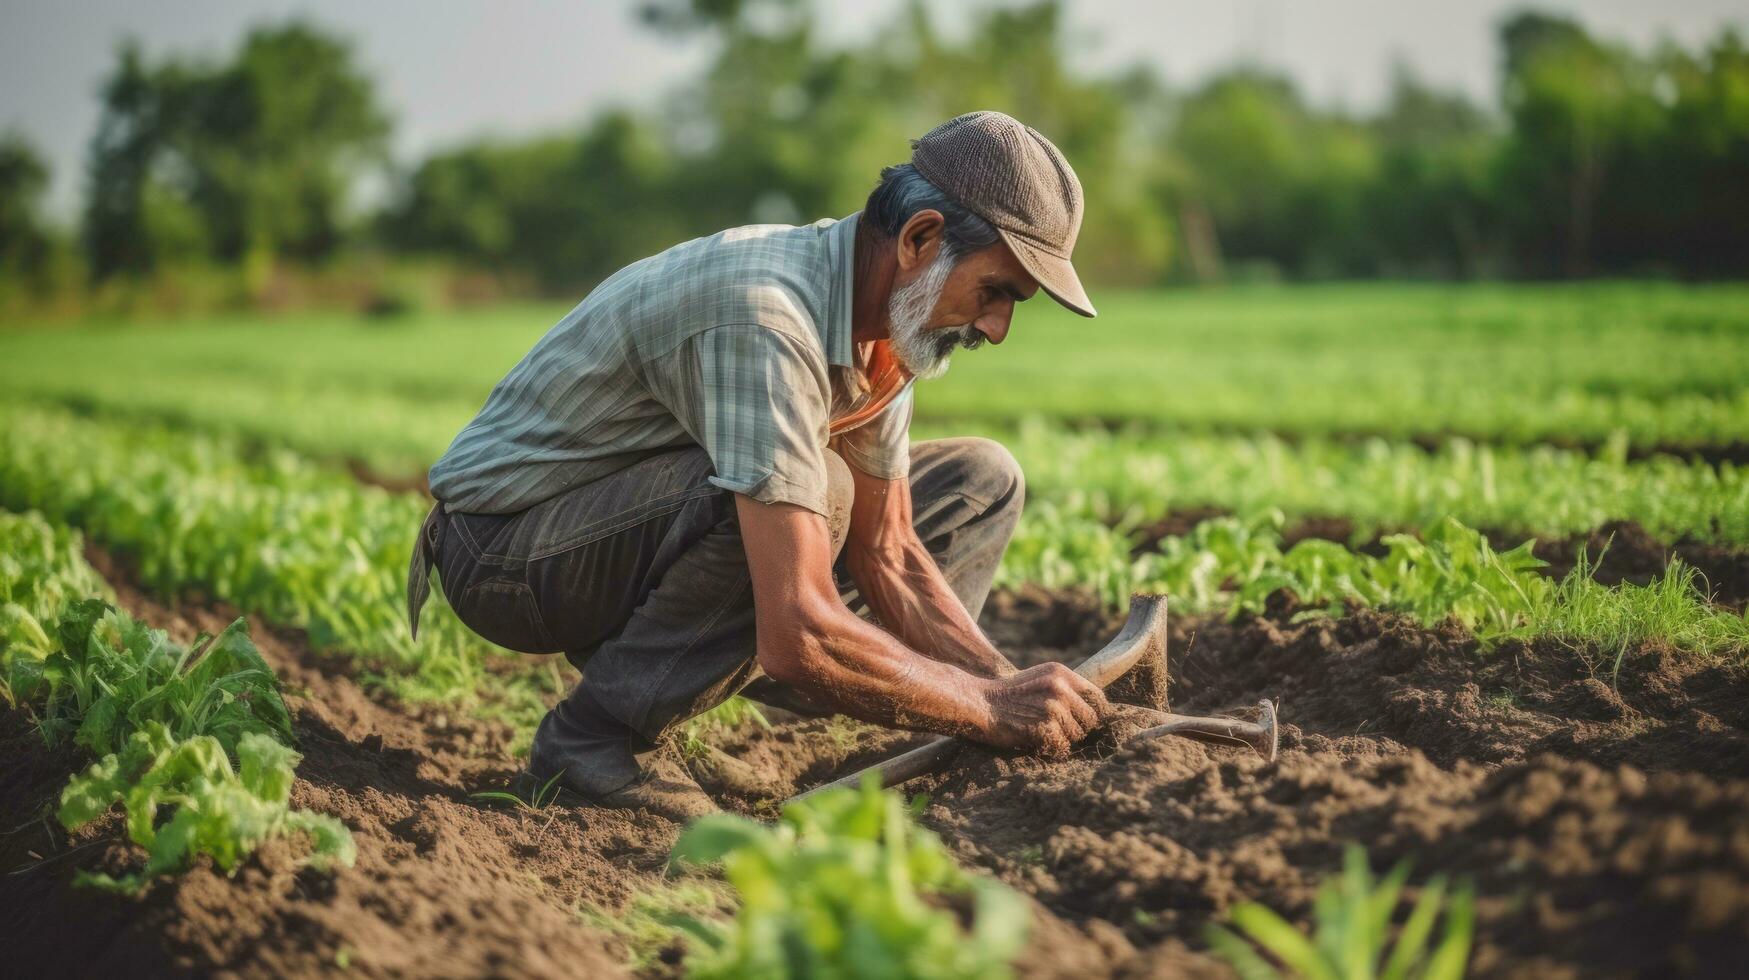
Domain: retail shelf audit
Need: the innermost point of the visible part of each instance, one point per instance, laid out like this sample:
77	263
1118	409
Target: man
694	477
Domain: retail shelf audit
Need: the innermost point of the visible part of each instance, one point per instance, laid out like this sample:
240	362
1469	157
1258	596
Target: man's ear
920	239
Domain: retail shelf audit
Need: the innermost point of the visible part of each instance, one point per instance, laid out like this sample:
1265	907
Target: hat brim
1054	273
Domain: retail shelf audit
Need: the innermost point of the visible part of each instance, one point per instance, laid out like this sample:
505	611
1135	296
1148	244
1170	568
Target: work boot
597	762
662	788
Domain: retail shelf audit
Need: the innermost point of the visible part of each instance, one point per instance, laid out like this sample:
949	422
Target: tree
1430	209
1278	181
24	238
1576	106
241	161
569	209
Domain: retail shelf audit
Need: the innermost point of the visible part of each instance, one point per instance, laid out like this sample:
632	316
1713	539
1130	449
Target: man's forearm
808	639
909	595
863	671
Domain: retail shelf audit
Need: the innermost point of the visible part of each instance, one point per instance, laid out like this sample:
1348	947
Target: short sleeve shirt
739	343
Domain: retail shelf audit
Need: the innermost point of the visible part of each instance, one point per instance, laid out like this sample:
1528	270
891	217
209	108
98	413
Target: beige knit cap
1007	173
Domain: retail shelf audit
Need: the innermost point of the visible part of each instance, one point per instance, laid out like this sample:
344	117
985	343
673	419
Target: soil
1604	824
1603	815
444	885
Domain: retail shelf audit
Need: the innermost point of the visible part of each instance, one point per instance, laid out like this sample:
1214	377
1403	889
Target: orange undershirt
885	380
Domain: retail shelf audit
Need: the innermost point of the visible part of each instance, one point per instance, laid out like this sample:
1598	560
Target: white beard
924	353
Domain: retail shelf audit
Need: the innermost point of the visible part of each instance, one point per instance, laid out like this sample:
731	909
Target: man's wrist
982	717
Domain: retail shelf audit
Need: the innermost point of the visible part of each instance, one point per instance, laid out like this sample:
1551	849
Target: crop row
1127	479
309	547
1660	366
271	533
1120	478
399	435
165	723
1450	571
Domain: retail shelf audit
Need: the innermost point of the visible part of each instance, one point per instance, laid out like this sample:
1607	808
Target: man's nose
994	326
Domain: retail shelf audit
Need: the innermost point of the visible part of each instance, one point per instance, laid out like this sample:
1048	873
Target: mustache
968	337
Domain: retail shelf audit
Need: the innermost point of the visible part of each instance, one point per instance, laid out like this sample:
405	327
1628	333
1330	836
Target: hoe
1141	646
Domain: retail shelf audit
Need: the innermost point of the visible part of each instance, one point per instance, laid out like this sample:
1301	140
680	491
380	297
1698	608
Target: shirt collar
841	252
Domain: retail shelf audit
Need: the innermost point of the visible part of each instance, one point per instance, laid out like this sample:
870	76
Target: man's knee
990	473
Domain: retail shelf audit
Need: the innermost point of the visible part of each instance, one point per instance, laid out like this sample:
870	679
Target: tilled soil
1606	825
1604	818
444	885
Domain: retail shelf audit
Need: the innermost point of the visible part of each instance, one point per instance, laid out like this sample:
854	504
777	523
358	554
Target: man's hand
808	639
1043	709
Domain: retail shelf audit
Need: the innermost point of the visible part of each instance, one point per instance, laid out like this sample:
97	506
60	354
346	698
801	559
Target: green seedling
1352	931
183	799
111	675
736	711
542	798
846	884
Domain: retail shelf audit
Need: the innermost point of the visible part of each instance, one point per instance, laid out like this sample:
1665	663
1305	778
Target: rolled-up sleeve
755	398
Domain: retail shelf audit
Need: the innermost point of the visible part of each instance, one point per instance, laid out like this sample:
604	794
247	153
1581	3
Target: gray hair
903	192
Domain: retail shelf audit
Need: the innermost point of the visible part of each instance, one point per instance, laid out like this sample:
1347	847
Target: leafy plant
1351	935
846	885
41	568
213	810
646	922
302	545
111	675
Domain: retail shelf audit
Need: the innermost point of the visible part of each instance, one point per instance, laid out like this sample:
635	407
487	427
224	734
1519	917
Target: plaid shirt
739	343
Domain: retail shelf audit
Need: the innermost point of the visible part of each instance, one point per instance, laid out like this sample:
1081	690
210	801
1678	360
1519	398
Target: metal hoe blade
1144	633
1263	735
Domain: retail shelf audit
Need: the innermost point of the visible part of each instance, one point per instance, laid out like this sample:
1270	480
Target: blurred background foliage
230	181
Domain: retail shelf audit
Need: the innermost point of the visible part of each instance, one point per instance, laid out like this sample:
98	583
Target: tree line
1599	159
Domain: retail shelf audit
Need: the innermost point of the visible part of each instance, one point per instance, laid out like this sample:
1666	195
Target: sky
450	70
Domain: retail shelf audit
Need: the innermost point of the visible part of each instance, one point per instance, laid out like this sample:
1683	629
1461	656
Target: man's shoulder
776	276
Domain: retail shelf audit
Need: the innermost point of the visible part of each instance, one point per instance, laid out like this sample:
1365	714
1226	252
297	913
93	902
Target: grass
1672	609
1662	364
695	735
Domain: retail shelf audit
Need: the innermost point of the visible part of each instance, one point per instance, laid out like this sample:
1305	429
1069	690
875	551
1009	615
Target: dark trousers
640	579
